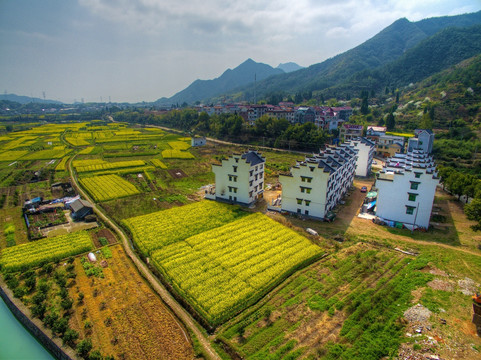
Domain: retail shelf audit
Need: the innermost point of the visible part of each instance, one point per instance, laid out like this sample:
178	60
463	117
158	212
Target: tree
364	106
390	122
84	347
473	212
70	337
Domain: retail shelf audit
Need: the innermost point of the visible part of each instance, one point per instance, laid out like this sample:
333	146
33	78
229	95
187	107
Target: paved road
179	311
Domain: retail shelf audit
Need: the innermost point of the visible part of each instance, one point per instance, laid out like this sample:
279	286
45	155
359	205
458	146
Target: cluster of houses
314	186
389	145
325	117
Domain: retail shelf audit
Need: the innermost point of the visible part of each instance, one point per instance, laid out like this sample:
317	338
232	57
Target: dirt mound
417	314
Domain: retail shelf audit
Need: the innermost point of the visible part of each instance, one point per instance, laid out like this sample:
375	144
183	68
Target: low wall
34	326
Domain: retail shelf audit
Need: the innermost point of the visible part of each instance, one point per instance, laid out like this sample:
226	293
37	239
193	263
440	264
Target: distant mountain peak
289	67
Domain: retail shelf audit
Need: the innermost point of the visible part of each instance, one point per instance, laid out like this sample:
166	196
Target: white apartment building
365	154
423	140
240	178
406	188
316	185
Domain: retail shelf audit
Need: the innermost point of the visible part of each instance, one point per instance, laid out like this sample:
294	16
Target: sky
142	50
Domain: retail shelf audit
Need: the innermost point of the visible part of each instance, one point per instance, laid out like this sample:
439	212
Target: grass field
108	187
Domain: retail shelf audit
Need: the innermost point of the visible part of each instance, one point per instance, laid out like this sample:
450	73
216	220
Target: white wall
393	196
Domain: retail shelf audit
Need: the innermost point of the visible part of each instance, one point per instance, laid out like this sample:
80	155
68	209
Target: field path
178	310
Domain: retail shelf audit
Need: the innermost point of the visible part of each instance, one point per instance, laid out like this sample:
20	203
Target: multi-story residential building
374	132
389	145
316	185
304	114
350	131
406	188
343	112
423	140
240	178
365	154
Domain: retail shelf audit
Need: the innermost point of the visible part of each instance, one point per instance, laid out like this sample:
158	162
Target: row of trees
266	131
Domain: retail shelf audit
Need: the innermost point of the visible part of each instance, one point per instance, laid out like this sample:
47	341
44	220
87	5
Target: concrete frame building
365	155
406	188
423	140
240	178
316	185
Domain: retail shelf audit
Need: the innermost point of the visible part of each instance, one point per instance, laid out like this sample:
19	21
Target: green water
16	343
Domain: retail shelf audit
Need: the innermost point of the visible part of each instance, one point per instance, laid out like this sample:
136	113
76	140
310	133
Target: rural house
316	185
240	178
365	154
350	131
406	188
80	209
198	141
423	141
389	145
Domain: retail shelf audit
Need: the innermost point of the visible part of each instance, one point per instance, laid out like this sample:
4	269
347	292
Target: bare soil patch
177	173
106	233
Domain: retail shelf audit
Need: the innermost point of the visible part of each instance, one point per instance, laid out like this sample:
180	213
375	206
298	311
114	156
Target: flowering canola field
222	270
107	187
39	252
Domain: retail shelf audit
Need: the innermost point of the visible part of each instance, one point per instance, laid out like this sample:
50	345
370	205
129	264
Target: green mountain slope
387	46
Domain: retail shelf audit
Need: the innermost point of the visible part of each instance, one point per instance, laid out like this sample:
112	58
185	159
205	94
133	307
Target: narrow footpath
168	299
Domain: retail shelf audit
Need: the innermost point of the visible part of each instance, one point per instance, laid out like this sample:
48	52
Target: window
235	168
311	168
255	178
251	172
417	175
250	194
298	211
308	202
251	182
412	197
308	190
410	210
299	201
235	198
306	212
260	185
306	179
414	185
261	166
255	168
230	197
236	160
261	175
233	178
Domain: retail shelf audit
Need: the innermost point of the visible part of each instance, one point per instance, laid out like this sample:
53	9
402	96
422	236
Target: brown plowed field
128	320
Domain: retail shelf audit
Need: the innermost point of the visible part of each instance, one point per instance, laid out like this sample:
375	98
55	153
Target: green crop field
223	270
346	307
108	187
46	250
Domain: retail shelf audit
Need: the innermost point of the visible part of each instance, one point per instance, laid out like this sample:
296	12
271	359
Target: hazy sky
141	50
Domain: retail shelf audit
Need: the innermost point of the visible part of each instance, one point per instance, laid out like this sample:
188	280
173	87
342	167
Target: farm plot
176	154
12	155
108	187
109	165
126	318
55	153
158	163
179	145
346	307
224	270
161	228
46	250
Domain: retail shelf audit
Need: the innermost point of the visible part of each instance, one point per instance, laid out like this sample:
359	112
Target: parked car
364	189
